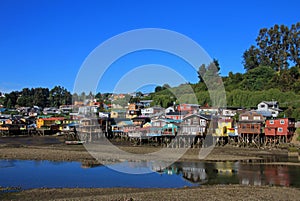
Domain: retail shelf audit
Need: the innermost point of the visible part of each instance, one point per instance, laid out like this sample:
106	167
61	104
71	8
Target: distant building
268	108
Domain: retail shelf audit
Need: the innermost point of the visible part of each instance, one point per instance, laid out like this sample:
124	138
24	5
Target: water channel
36	174
27	174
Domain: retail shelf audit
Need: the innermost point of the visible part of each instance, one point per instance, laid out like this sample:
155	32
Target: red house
189	108
280	127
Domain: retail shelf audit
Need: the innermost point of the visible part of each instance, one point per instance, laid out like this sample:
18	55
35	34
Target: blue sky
44	43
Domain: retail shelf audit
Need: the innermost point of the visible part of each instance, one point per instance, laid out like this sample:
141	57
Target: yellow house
114	114
223	127
5	121
47	122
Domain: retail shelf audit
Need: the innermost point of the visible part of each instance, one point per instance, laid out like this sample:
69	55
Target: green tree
257	78
59	96
294	44
251	58
201	72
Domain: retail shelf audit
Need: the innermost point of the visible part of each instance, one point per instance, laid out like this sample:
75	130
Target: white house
169	109
151	111
268	108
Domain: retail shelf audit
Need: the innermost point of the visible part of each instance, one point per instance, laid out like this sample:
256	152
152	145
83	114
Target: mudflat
53	148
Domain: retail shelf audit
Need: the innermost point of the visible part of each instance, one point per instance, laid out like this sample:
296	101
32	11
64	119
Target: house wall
249	128
282	126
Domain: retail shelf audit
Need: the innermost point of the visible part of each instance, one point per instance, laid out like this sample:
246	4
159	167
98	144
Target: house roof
270	103
53	118
177	113
195	115
265	113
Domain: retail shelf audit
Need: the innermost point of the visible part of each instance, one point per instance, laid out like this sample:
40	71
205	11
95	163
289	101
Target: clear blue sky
43	43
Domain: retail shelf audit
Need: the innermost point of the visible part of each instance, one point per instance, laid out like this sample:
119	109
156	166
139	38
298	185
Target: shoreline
52	148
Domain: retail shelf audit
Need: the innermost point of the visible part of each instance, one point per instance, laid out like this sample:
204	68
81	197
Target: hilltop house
268	108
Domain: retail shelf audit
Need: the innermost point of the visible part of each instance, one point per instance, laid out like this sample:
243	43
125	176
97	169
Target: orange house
47	122
280	127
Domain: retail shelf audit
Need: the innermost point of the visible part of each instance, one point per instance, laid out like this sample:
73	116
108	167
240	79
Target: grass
298	133
293	149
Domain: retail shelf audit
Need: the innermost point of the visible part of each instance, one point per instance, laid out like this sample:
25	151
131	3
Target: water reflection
236	173
36	174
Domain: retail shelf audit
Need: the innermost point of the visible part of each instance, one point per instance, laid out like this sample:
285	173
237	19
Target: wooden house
48	122
194	124
189	108
134	110
280	127
140	121
250	123
224	127
176	115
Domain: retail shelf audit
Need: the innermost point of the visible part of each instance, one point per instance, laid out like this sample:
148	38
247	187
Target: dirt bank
53	148
218	192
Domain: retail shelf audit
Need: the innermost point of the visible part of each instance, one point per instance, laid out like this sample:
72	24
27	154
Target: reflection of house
251	175
268	108
194	124
277	175
280	127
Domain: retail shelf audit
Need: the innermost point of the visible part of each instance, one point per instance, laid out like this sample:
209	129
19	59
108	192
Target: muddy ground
217	192
53	148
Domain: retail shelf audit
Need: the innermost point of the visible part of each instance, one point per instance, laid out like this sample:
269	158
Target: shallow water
36	174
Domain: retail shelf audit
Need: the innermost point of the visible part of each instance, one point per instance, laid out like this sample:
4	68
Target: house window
280	130
271	121
244	117
282	121
256	118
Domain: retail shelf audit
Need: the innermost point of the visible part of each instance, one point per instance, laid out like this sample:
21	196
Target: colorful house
250	123
48	122
224	126
194	124
280	127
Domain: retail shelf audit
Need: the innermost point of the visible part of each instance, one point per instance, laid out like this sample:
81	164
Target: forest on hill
272	73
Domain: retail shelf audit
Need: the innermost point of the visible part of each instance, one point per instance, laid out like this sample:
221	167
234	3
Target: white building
268	108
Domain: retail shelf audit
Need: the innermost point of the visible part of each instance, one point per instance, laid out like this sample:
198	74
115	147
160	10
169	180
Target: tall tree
201	72
251	58
294	44
276	47
59	96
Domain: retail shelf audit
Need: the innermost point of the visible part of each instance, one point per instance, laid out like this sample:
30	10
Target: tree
251	58
201	72
158	89
41	97
11	99
294	44
59	96
276	47
257	78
